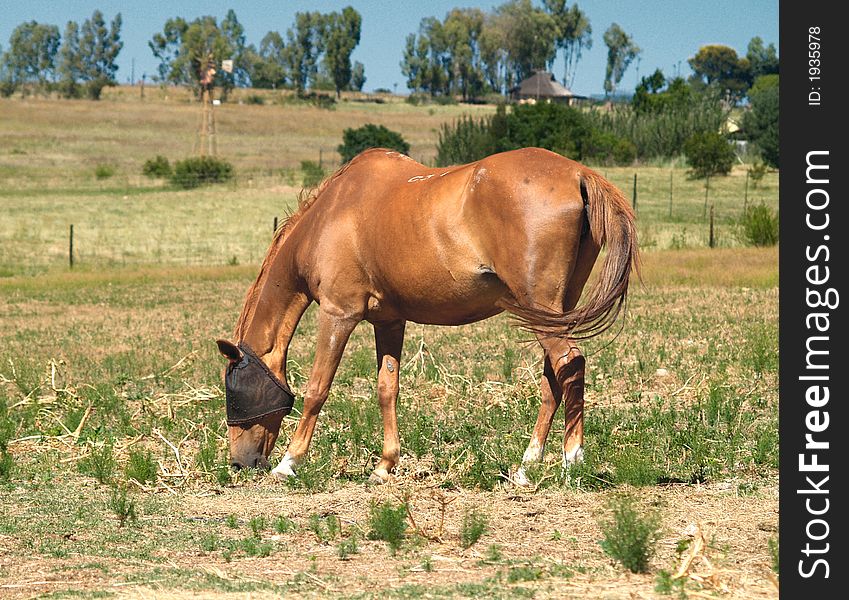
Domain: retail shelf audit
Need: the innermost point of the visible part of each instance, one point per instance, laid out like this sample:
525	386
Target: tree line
79	63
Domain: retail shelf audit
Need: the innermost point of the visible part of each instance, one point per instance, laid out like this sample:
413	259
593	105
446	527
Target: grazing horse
388	240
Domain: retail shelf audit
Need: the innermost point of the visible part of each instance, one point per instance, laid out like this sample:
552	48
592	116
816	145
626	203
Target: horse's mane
306	198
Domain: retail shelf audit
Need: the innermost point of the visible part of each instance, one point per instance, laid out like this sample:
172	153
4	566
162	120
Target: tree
70	61
358	76
303	48
341	32
414	64
461	33
166	48
621	50
31	57
234	33
267	67
762	60
368	136
529	35
761	121
708	154
574	34
720	66
99	47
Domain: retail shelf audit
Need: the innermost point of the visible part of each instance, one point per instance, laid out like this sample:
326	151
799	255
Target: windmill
207	142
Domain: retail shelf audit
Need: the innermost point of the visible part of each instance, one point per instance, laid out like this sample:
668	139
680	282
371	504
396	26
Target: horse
388	240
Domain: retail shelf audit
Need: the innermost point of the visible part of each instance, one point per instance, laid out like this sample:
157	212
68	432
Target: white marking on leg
533	452
573	457
285	469
520	478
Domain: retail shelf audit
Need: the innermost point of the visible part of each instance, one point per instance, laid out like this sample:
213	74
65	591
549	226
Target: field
115	478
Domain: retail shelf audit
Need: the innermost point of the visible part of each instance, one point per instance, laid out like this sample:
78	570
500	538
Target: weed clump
104	171
474	525
313	173
141	466
100	463
388	522
630	538
122	506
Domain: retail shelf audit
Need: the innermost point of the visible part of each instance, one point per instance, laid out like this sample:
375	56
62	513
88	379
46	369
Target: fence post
712	239
707	188
635	192
746	191
671	171
71	248
275	226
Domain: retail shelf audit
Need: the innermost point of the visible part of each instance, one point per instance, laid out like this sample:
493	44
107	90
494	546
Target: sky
668	31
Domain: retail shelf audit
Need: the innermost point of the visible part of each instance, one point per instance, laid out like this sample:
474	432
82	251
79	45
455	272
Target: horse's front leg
334	329
389	338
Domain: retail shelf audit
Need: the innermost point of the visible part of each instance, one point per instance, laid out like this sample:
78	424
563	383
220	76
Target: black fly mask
253	391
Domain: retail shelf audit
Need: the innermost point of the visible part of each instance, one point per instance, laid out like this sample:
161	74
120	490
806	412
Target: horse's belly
438	300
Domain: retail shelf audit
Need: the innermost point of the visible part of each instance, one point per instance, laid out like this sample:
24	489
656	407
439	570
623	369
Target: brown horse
388	240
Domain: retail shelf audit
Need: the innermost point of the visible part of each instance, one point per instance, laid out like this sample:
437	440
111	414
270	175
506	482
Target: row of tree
315	53
82	62
472	52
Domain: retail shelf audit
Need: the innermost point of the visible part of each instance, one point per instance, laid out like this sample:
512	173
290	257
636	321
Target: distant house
542	86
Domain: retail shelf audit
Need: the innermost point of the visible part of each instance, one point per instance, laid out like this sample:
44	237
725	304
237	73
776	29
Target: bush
761	122
368	136
100	463
605	148
104	171
201	170
254	99
628	537
709	154
465	141
122	506
7	88
157	167
313	173
760	225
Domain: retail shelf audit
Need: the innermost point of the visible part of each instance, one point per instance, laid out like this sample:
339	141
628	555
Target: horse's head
257	401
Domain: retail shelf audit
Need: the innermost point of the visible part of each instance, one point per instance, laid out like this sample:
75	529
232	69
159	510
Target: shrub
761	122
760	225
313	173
104	171
474	525
141	466
368	136
628	537
606	148
466	140
201	170
709	154
388	522
254	99
157	167
7	88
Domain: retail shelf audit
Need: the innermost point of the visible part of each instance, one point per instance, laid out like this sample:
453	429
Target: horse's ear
229	350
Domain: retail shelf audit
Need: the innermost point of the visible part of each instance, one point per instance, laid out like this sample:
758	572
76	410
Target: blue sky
668	31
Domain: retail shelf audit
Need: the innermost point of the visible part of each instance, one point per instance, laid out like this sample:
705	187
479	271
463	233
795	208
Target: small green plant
201	170
123	507
325	528
313	173
760	225
157	167
388	522
473	526
231	521
141	466
253	546
284	524
629	537
257	525
772	544
209	542
757	172
368	136
233	261
666	584
7	463
347	547
100	463
104	171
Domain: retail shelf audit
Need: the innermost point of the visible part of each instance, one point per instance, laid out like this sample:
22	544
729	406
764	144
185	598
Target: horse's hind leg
389	338
333	333
563	377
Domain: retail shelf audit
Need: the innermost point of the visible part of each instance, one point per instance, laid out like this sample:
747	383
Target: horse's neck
272	310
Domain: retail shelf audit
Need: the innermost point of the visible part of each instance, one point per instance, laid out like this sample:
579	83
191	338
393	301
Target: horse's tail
611	225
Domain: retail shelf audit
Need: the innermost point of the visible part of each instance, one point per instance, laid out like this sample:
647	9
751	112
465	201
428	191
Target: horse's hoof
520	478
378	478
573	458
285	469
